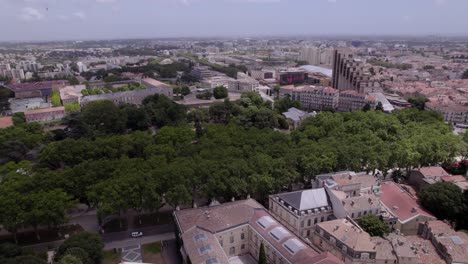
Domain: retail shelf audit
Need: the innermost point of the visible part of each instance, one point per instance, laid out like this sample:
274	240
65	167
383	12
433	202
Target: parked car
136	234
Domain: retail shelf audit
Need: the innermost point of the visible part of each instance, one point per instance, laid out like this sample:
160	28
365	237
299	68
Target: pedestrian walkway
132	254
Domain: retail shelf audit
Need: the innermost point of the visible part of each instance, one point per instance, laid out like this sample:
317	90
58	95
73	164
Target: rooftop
433	171
400	203
349	234
6	121
36	85
313	68
155	83
199	226
45	110
456	243
306	199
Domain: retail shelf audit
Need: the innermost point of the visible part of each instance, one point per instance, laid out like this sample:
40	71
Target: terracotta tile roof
6	121
349	234
454	178
400	203
433	171
208	221
455	243
35	85
383	248
45	110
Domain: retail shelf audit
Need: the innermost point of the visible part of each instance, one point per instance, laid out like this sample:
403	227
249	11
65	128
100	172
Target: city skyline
39	20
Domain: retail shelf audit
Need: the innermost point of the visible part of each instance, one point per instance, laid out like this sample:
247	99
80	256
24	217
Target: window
242	246
232	251
322	219
302	224
308	222
242	236
231	239
308	232
315	221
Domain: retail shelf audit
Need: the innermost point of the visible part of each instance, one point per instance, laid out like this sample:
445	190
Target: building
128	97
263	74
158	86
312	97
36	89
353	207
453	113
451	245
381	98
424	176
243	85
45	115
404	207
227	232
296	116
384	251
352	100
71	94
346	240
201	72
291	76
414	250
350	182
316	55
348	72
81	67
6	121
300	211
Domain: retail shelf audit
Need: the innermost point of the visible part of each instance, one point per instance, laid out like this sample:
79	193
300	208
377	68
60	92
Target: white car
136	234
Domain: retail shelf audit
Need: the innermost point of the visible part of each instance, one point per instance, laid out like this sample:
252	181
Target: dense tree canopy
229	150
373	225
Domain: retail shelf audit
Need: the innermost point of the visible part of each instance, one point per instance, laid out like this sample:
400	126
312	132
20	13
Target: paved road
147	231
138	241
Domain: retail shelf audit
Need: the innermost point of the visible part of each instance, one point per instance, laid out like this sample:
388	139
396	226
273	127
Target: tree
367	107
137	118
444	200
465	74
29	259
56	99
373	225
104	117
19	118
261	255
220	92
91	243
283	105
418	102
73	81
80	254
379	107
69	259
276	90
205	95
185	90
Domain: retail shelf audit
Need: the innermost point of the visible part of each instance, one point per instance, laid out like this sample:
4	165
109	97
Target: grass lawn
152	219
152	253
110	257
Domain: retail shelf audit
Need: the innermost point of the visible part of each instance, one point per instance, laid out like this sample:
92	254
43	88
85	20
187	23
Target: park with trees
120	158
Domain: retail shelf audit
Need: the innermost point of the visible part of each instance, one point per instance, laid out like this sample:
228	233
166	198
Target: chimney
248	196
233	199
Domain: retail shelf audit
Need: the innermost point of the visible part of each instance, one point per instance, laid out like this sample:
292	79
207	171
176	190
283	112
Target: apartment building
453	113
352	100
300	211
348	72
312	97
233	233
36	89
346	240
353	207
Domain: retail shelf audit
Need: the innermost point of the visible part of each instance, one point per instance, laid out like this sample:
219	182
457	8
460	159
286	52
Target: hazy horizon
53	20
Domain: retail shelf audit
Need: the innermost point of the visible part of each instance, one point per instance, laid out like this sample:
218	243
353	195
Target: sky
31	20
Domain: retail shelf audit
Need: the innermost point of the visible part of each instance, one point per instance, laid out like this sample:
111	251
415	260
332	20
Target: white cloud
30	14
79	15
